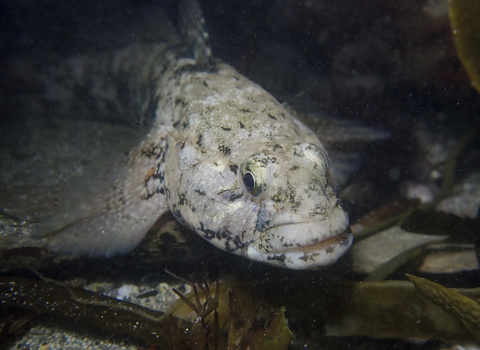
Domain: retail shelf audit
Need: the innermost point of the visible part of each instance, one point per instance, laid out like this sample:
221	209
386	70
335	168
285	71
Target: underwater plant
241	325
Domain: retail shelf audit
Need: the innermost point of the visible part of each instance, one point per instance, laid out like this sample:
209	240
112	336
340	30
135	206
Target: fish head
299	224
273	207
250	178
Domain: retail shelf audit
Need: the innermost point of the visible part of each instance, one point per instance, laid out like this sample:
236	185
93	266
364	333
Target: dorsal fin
194	31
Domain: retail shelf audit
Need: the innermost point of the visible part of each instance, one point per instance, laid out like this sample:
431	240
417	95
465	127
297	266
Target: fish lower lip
304	245
289	237
323	245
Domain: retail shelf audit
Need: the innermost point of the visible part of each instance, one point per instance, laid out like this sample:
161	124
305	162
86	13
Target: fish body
223	155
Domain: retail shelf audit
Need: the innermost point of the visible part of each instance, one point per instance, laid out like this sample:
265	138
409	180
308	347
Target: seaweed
248	315
464	16
85	307
245	325
468	310
14	323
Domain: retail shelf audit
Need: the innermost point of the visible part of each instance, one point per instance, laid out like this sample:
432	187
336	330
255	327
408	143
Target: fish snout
303	245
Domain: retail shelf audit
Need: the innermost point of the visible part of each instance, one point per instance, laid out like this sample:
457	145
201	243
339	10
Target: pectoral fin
113	218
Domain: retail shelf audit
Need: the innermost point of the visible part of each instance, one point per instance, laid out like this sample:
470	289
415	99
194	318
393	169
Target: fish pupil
249	181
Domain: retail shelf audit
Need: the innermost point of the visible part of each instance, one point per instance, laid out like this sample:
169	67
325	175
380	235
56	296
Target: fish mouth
301	246
326	245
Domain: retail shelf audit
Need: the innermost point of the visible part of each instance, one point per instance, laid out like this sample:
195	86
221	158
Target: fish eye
253	184
253	174
249	181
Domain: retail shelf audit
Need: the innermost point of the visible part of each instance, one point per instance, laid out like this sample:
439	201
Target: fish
221	154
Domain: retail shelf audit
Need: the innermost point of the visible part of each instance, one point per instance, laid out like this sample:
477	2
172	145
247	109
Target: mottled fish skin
222	155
